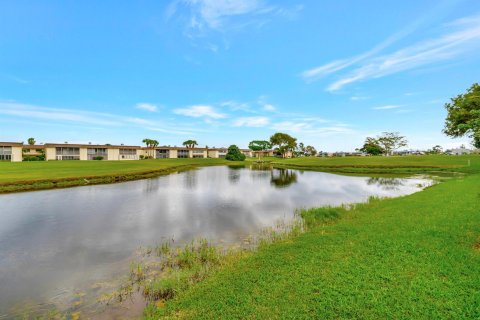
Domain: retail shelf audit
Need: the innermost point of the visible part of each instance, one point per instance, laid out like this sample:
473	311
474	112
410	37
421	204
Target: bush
34	158
234	154
98	158
142	157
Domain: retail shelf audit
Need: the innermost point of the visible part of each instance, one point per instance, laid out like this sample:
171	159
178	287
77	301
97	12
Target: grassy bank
410	257
398	164
29	176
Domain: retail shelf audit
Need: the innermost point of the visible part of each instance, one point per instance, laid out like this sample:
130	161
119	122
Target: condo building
17	151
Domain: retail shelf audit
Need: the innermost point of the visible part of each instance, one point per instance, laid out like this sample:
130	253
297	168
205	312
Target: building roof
67	145
11	144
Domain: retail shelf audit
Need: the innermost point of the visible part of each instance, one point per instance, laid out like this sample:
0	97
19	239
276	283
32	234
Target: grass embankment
414	257
397	164
28	176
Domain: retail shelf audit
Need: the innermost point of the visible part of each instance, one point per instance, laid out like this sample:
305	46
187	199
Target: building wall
173	154
113	154
50	154
17	154
213	153
83	154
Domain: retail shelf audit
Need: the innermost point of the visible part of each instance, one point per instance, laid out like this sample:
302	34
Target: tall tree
371	146
284	142
310	151
190	144
390	141
151	144
463	118
31	141
259	145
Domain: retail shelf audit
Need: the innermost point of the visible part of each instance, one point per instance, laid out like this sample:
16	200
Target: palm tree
190	144
31	141
152	144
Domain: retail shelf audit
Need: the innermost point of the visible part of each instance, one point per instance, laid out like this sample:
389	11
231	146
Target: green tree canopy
463	116
234	154
259	145
31	141
190	143
372	147
390	141
284	143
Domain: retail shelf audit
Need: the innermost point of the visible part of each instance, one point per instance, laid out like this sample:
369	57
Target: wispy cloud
387	107
223	15
357	98
200	111
236	106
459	37
147	107
251	122
84	118
311	127
269	107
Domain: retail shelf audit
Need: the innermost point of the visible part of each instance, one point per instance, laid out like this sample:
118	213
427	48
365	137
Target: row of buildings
12	151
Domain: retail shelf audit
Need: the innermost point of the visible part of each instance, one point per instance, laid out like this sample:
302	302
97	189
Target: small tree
310	151
371	146
259	145
390	141
284	142
190	144
234	154
464	115
151	144
31	141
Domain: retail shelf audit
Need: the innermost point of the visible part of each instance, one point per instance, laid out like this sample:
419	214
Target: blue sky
229	71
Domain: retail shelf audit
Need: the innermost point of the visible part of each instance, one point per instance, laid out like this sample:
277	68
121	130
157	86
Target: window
163	154
67	153
97	153
5	153
128	154
183	154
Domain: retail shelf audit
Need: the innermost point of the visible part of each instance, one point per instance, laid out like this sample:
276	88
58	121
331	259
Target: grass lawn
383	164
25	176
414	257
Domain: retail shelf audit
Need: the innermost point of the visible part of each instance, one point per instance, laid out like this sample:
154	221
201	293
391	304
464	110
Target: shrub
98	158
142	157
234	154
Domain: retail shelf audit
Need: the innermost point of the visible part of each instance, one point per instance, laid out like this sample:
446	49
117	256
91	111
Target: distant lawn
41	170
25	176
385	164
413	257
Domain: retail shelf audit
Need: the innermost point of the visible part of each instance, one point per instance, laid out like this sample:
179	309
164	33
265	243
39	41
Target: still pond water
55	244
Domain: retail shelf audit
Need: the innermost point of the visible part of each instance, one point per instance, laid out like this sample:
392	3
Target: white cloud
269	107
225	15
147	107
236	106
357	98
251	122
200	111
387	107
307	128
79	117
463	36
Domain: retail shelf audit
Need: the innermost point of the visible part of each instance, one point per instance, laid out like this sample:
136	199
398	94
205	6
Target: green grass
26	176
413	257
396	164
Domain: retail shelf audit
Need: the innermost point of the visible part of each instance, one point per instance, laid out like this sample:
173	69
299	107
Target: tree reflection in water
386	183
281	178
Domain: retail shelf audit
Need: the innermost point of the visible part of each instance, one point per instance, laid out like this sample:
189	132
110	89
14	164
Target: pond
56	244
